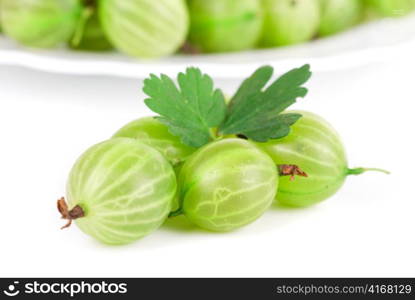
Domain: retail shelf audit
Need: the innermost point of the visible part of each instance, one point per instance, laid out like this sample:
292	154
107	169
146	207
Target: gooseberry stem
87	13
176	213
214	134
358	171
70	215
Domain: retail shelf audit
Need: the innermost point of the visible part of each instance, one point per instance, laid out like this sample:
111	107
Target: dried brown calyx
188	48
73	214
292	171
89	3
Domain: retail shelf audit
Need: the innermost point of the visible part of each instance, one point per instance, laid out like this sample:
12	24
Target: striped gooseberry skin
40	23
152	132
145	28
125	188
339	15
155	134
288	22
225	25
391	8
227	184
316	148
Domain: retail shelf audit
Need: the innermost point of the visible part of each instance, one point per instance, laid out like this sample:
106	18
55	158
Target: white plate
377	41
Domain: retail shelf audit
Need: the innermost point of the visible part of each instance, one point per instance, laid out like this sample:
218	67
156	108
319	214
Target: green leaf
275	127
249	87
191	112
255	112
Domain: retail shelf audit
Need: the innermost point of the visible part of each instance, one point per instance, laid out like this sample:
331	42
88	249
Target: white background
367	229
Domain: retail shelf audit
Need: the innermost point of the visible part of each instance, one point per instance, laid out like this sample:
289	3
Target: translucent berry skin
155	134
40	23
316	148
145	28
125	188
225	25
339	15
289	22
152	132
227	184
391	8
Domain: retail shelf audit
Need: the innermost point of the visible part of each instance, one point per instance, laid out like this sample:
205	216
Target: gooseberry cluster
149	28
221	165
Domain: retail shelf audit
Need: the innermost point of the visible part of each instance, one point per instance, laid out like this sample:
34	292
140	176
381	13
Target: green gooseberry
119	191
391	8
153	133
315	147
145	28
289	22
339	15
225	25
227	184
41	23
